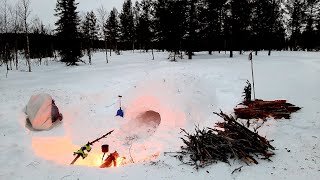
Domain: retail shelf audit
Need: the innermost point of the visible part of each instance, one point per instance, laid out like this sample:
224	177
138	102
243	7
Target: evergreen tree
161	20
309	35
127	24
176	25
212	19
144	24
266	25
192	26
278	37
239	21
296	11
67	31
318	30
112	30
136	16
90	32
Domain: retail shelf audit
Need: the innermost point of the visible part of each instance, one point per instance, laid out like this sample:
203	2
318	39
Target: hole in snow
144	125
149	118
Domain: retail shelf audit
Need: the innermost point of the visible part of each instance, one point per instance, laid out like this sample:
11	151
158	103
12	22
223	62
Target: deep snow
183	93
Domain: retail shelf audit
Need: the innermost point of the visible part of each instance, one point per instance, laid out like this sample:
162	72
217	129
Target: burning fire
113	160
60	149
119	161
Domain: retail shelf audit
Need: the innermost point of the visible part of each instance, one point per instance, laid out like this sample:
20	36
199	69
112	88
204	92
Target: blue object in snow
120	111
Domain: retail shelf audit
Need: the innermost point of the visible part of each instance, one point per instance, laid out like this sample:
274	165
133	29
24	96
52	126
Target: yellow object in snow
81	151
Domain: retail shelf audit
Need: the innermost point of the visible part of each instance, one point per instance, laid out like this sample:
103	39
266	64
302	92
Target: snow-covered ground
183	93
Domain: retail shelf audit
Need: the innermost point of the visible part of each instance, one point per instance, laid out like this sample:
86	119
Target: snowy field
183	93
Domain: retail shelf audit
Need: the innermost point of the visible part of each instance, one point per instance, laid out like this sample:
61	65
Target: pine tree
176	25
212	18
318	30
192	26
161	20
144	24
127	24
67	31
296	11
266	25
90	32
278	37
309	35
136	16
112	30
239	20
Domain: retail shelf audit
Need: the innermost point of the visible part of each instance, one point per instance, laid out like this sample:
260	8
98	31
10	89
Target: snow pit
154	112
177	101
147	115
147	122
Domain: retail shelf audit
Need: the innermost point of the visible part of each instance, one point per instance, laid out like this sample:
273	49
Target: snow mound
169	102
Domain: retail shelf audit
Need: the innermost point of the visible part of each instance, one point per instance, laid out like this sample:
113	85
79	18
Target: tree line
173	25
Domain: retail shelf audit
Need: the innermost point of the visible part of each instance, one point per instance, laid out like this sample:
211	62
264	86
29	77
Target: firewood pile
228	140
260	109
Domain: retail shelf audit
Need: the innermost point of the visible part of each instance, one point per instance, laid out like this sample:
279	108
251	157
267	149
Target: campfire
113	160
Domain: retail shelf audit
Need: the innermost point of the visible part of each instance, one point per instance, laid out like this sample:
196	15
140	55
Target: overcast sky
44	9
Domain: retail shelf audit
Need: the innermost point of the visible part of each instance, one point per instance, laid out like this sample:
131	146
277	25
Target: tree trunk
189	55
7	70
16	56
133	46
152	54
11	63
269	53
89	54
256	53
28	50
106	46
210	52
117	51
231	53
225	46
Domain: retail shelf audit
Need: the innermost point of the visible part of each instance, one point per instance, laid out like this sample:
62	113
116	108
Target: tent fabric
42	111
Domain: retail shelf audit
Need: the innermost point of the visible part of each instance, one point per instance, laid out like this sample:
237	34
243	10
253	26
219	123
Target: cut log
260	109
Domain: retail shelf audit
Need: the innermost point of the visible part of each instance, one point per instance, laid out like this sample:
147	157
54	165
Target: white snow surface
183	93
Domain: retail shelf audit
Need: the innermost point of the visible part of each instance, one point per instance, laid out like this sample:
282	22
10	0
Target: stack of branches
260	109
230	140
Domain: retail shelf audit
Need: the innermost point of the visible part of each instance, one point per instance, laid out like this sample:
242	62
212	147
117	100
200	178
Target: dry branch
210	145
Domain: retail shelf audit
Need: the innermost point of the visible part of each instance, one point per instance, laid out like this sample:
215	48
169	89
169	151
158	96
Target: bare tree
5	15
6	53
25	11
16	28
102	19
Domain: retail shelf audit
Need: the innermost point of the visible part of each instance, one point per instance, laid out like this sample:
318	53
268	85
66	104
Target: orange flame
119	161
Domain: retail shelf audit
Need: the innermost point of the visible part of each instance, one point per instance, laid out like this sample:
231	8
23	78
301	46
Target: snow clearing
158	98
